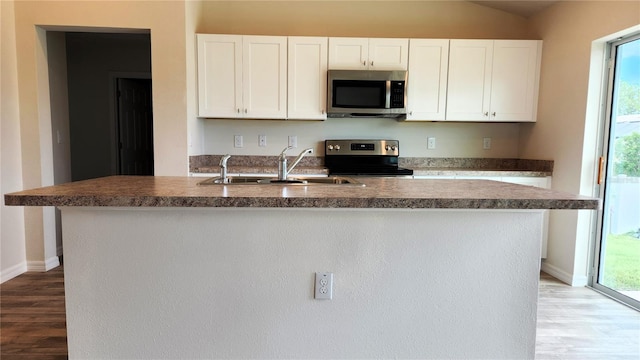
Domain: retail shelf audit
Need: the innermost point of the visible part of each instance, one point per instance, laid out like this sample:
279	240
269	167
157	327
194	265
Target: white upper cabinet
515	79
307	84
427	83
368	54
493	80
219	75
242	76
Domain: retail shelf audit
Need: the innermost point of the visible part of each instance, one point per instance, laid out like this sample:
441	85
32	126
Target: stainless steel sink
256	180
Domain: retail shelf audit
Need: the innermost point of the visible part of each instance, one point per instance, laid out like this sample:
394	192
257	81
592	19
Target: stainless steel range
364	157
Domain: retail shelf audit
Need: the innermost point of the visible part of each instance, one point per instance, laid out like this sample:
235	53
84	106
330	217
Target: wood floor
32	317
580	323
573	323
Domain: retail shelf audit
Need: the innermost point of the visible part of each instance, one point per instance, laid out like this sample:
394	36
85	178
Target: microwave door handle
387	100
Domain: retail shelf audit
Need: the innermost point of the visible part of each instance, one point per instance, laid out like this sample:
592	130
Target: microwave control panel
397	95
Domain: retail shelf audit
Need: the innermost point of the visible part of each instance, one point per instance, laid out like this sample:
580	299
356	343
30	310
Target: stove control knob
393	148
387	147
330	147
337	147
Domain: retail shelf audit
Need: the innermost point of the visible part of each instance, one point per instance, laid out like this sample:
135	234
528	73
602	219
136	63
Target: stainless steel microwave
366	93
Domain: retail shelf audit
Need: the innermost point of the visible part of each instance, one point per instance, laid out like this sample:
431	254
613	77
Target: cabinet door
514	85
427	84
219	75
388	54
264	77
307	84
348	53
469	86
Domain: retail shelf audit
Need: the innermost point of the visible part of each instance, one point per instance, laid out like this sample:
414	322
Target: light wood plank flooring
580	323
573	323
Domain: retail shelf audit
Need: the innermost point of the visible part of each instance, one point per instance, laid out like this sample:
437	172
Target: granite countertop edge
387	193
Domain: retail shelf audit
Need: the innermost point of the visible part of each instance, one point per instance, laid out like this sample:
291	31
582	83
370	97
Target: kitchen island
159	267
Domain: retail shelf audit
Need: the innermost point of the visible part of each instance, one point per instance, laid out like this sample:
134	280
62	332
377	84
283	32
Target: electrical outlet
262	140
486	143
431	143
237	141
324	286
293	141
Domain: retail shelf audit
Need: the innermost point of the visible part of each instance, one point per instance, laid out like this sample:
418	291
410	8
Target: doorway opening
95	63
617	254
84	65
134	126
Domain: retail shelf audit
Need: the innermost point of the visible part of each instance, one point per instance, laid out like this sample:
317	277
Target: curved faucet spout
300	156
283	170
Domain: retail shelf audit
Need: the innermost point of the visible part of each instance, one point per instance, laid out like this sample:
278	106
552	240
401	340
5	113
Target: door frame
113	111
604	134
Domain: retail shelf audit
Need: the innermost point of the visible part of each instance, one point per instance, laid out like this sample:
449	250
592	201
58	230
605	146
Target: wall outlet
293	141
262	140
238	141
324	286
431	143
486	143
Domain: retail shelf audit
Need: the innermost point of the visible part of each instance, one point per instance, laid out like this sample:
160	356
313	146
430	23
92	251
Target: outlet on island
262	140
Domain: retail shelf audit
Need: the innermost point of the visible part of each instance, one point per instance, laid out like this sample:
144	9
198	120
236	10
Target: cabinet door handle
238	110
372	63
493	113
364	63
410	112
245	111
486	113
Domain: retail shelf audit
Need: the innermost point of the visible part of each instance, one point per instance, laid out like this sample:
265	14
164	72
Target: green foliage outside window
628	99
627	148
627	155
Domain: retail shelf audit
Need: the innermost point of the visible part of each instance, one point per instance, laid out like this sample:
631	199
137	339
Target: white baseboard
42	266
10	273
564	276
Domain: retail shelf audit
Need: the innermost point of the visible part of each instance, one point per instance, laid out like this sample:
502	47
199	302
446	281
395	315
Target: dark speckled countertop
422	166
392	193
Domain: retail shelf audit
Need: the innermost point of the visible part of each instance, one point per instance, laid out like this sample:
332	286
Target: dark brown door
135	127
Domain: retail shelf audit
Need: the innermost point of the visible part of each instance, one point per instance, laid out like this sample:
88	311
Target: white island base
239	283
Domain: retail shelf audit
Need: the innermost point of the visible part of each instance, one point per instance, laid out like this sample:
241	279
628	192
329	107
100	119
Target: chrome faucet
223	169
283	171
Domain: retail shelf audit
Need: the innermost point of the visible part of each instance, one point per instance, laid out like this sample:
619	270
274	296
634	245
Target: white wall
574	33
449	284
452	139
12	236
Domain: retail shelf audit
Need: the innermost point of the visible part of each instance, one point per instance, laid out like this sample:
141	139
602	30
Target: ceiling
524	8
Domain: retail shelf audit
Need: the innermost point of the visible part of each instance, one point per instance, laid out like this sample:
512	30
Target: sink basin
255	180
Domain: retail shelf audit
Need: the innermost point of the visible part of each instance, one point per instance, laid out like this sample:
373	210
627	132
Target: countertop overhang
386	193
